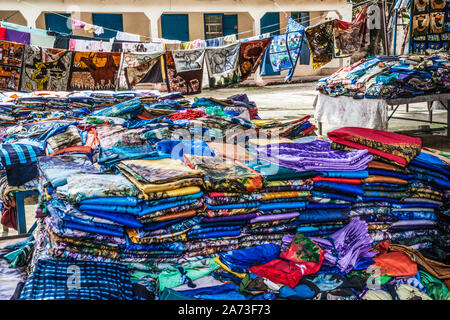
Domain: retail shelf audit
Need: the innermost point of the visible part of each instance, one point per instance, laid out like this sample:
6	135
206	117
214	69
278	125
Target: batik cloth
349	36
10	65
320	41
251	55
136	67
393	146
225	175
222	64
187	82
45	69
94	70
76	280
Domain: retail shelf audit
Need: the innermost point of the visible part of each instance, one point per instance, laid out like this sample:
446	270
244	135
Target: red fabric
9	216
279	271
345	136
309	129
395	264
2	33
188	114
341	180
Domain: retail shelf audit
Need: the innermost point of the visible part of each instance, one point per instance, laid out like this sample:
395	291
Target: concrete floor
292	101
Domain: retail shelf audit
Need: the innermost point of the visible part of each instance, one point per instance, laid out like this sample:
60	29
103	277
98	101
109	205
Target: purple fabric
275	217
351	244
316	155
238	217
17	36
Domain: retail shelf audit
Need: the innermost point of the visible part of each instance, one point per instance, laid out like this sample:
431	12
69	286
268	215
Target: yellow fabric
171	237
264	142
286	194
239	275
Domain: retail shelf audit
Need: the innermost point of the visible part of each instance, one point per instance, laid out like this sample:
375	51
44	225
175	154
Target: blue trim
175	26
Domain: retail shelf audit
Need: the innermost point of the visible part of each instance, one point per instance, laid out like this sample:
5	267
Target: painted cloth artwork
430	25
222	64
250	56
45	69
320	41
188	82
136	67
10	65
285	49
94	70
188	60
349	37
99	281
140	47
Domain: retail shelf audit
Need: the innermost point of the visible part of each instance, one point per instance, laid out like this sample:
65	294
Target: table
371	113
20	212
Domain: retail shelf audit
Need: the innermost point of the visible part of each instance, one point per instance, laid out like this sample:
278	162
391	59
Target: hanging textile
2	33
141	47
11	55
90	45
250	56
186	74
127	36
222	64
45	69
285	49
320	41
430	25
136	67
42	40
349	37
17	36
94	70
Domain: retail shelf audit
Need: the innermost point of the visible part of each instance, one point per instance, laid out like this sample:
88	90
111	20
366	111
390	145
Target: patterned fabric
94	70
188	82
10	65
225	175
136	67
45	69
222	64
349	36
250	56
320	41
76	280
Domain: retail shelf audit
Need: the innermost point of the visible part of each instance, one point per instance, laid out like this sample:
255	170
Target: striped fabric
77	280
12	154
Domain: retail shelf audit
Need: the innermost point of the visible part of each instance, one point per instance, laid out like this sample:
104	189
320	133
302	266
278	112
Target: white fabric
346	111
125	36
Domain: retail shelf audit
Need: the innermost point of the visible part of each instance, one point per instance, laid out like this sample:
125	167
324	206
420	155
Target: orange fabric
82	149
384	179
395	264
184	214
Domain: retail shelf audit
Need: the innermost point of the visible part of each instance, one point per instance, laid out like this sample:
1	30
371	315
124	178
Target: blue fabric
414	215
327	206
282	205
250	204
50	280
321	215
161	225
121	218
380	172
173	199
177	148
332	196
215	234
300	292
127	109
93	229
351	189
242	259
345	174
201	230
414	205
119	201
112	155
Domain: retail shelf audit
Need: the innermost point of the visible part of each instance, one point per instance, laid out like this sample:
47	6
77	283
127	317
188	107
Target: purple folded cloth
17	36
236	217
274	217
316	155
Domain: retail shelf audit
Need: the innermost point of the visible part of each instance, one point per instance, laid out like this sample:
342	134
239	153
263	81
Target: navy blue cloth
350	189
120	218
77	280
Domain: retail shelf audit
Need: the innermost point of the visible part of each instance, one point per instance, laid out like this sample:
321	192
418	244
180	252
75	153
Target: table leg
20	213
319	125
407	107
430	112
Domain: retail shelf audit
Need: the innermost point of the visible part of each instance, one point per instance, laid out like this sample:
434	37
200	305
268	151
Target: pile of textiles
204	200
390	77
403	189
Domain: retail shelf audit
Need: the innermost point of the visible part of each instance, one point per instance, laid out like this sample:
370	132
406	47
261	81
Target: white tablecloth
346	111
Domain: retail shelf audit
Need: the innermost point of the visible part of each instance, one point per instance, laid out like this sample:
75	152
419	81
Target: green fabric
171	276
217	111
273	172
435	288
169	294
20	254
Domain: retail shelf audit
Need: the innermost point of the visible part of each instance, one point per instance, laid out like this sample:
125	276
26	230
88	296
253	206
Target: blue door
230	24
270	22
175	27
110	21
57	23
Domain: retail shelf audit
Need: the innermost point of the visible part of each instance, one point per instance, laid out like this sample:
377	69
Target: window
301	17
213	26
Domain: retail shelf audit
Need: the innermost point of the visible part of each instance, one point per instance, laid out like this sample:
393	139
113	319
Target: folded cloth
392	146
280	272
225	175
52	280
316	155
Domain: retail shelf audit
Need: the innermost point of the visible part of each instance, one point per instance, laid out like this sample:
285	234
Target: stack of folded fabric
331	176
401	193
291	130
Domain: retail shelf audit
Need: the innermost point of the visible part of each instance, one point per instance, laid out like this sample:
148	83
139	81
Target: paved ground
293	101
